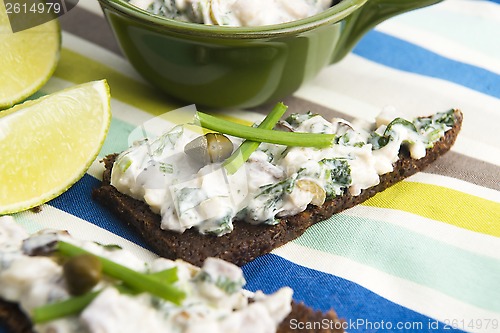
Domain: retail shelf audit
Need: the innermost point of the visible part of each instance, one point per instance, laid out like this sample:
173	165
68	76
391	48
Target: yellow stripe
123	88
442	204
76	68
234	119
431	201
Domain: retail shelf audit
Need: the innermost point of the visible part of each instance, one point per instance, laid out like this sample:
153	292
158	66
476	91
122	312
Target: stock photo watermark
363	324
169	170
26	14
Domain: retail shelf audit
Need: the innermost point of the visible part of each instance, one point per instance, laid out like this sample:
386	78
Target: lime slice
47	144
27	60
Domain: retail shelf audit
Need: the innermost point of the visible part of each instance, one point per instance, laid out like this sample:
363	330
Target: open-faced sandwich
51	282
195	196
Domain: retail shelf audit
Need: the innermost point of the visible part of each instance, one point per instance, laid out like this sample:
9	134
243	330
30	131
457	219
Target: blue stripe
362	309
393	52
78	202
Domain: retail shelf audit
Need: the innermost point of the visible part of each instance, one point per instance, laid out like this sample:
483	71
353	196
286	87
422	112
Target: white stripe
480	8
246	115
96	169
321	94
440	45
53	218
128	114
362	88
419	298
125	112
449	40
456	184
487	152
91	5
134	116
461	238
55	84
100	55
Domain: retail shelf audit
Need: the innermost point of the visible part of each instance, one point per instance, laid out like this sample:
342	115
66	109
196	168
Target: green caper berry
209	148
82	273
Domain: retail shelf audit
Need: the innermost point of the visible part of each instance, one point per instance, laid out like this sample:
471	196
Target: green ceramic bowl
226	67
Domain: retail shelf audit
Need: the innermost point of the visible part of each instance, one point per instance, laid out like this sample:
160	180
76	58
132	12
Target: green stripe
463	275
442	204
117	139
123	88
76	68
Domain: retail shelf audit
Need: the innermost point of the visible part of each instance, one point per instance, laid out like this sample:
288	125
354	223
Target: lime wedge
27	59
46	145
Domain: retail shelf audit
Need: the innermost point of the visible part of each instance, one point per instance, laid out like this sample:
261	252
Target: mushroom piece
283	126
341	126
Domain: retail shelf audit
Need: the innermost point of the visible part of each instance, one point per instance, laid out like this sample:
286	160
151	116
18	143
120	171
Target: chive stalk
297	139
165	276
240	155
75	305
140	282
68	307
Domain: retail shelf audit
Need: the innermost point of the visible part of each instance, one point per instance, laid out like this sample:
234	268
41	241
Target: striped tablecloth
423	256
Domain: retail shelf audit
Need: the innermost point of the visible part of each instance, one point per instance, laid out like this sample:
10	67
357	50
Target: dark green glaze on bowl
225	67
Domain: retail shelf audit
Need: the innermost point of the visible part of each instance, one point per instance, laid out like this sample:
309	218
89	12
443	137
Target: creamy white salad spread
214	299
276	180
234	12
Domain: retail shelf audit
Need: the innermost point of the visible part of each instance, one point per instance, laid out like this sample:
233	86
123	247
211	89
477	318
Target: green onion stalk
158	284
262	133
294	139
241	155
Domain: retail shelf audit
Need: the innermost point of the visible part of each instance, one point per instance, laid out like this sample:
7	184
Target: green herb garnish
166	167
158	284
399	121
297	139
135	280
64	308
241	155
222	282
379	141
110	247
269	197
74	305
295	119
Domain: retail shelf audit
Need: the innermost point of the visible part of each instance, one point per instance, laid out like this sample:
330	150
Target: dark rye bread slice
247	242
301	319
13	319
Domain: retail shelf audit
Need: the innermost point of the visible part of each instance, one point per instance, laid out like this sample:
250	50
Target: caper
209	148
82	273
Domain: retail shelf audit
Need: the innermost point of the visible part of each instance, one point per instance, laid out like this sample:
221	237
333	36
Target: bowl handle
368	16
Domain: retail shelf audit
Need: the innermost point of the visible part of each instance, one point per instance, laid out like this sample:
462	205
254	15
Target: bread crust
14	320
247	242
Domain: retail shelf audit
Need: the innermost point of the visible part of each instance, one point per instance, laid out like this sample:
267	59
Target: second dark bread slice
247	242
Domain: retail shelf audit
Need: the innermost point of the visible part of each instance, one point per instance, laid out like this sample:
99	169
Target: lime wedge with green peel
27	59
46	145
